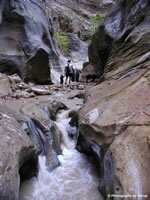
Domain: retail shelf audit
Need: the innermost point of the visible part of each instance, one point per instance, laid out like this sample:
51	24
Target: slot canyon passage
84	140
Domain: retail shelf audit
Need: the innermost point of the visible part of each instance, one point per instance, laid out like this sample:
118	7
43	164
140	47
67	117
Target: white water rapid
74	179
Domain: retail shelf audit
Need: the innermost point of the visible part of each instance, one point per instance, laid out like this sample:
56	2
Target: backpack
67	69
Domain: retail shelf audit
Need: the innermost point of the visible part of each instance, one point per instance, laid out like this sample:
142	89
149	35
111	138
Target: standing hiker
61	79
68	72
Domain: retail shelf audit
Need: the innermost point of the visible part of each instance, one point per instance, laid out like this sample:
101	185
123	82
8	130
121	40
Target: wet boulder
19	161
54	107
43	132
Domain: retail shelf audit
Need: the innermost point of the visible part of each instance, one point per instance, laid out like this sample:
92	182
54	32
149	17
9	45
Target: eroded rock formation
18	156
26	40
72	28
24	135
123	36
115	117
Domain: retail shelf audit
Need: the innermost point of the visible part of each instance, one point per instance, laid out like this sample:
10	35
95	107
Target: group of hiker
71	74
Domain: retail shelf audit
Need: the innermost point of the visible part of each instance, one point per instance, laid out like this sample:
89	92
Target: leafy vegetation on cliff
62	40
97	19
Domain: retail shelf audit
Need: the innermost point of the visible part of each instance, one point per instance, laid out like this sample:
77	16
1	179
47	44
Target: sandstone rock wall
122	38
69	22
115	116
26	40
77	21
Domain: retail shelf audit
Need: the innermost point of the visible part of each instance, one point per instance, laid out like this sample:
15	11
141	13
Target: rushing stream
74	179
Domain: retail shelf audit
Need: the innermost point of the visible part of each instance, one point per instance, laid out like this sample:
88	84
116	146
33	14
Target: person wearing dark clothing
73	76
68	71
61	79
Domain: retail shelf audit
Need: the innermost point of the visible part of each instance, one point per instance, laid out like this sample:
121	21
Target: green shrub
97	19
62	41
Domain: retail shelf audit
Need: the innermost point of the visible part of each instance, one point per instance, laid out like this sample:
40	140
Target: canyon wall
26	40
115	122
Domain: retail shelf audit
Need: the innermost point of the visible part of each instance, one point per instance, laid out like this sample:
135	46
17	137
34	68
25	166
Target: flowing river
74	179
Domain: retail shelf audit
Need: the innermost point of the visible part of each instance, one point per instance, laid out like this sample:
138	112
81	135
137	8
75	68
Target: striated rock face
123	38
115	111
71	23
72	16
132	35
116	115
75	21
26	40
18	157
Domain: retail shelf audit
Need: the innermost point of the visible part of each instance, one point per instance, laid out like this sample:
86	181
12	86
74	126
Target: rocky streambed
76	176
104	122
42	143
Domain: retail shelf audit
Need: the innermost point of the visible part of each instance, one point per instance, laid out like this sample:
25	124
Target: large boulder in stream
43	132
115	120
18	157
26	38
